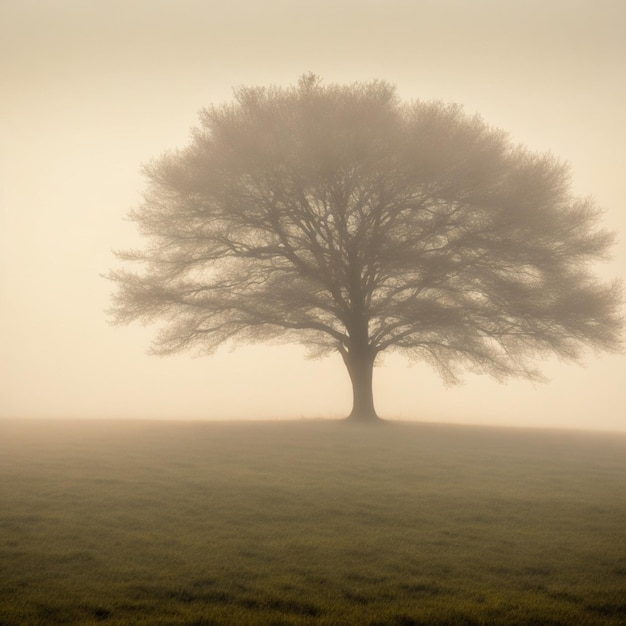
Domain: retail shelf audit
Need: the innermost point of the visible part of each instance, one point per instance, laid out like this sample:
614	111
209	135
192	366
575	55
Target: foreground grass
309	523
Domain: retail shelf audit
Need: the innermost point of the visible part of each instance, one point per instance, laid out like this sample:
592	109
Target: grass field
309	523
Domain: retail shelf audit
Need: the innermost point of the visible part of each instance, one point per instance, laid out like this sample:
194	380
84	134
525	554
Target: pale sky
90	90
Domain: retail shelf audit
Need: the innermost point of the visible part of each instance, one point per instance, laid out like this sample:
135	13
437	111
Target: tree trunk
360	366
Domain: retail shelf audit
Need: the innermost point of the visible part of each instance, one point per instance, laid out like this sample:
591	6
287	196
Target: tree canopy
343	218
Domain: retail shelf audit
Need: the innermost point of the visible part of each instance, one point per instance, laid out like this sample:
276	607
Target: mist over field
309	522
230	489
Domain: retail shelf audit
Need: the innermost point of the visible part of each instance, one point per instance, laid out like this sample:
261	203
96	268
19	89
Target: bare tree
345	219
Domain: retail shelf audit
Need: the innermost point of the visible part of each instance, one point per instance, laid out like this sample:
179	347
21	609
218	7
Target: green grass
309	523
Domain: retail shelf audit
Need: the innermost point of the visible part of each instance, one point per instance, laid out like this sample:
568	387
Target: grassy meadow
311	523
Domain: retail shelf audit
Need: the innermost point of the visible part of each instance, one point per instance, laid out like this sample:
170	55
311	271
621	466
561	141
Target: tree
345	219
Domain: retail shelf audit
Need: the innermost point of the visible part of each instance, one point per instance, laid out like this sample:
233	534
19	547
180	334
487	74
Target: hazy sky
90	90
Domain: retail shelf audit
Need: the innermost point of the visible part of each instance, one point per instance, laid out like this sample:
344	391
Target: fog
92	90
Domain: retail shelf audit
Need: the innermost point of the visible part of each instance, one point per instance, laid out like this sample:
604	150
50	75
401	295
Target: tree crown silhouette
345	219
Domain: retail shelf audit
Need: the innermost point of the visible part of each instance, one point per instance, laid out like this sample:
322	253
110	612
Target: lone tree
345	219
